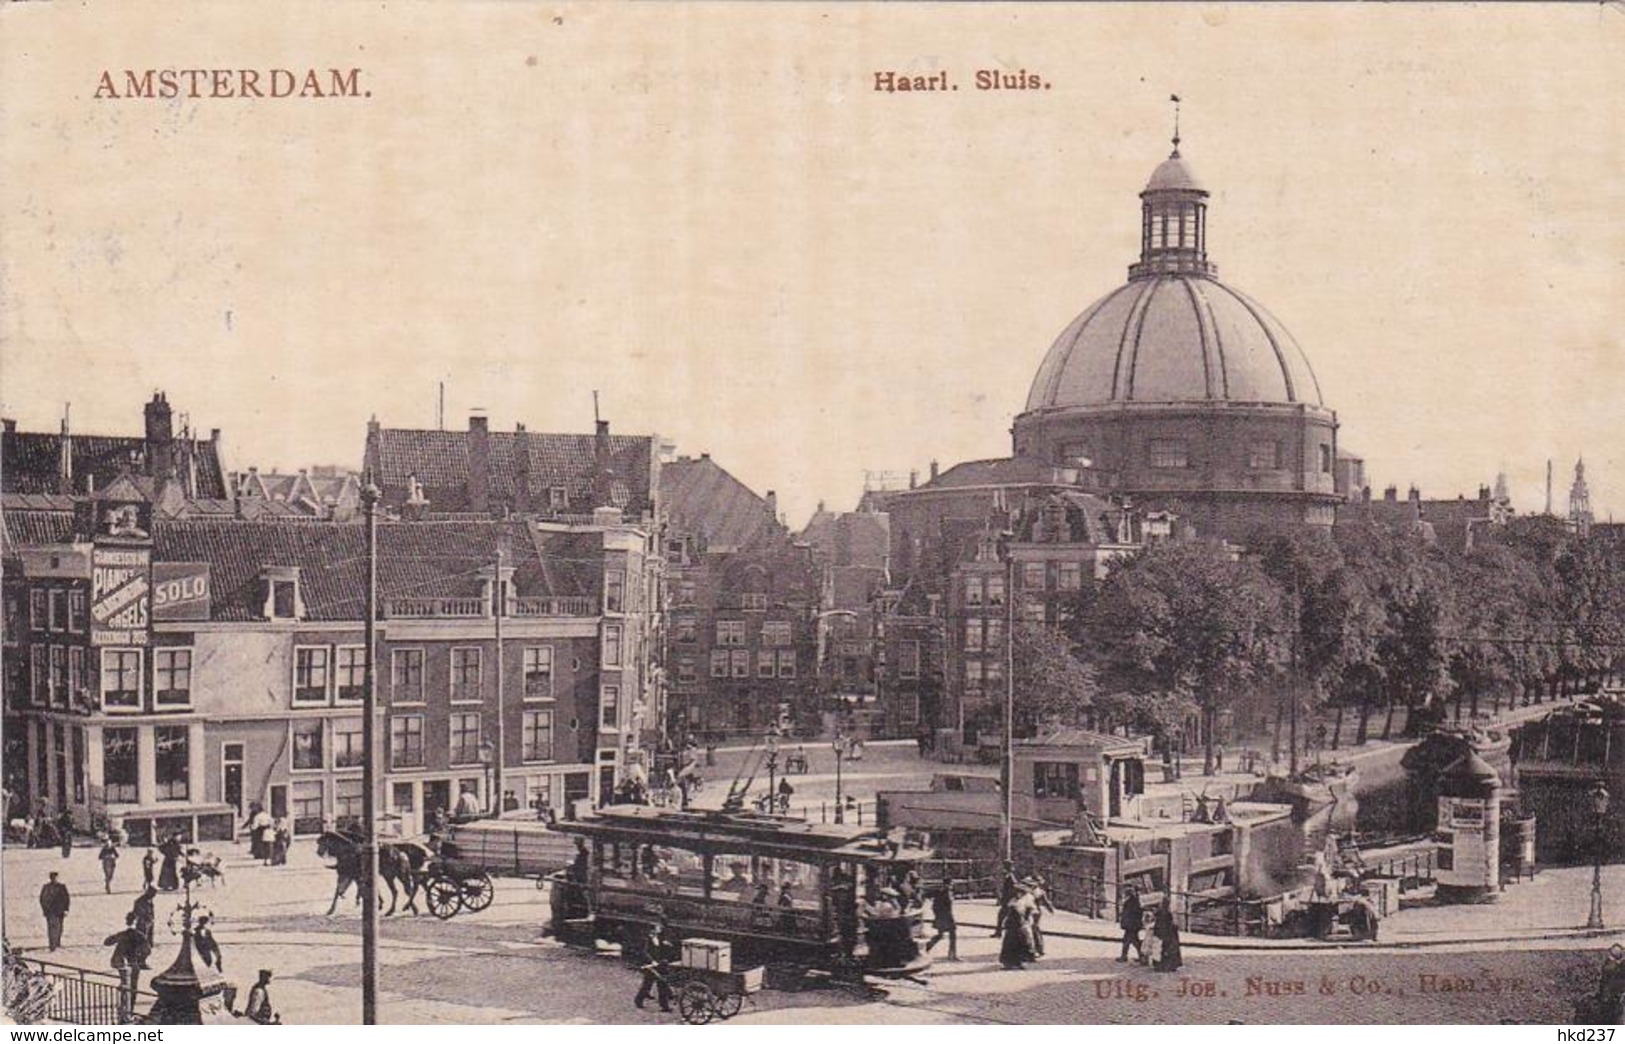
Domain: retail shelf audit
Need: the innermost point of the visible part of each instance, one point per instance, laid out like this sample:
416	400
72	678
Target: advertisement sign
120	595
180	591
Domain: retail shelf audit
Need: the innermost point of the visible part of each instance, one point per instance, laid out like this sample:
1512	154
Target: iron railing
77	996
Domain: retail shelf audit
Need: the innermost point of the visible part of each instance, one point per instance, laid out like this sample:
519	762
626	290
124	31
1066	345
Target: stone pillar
197	765
146	762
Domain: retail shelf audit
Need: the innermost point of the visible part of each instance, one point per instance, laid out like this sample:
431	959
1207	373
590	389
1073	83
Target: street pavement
494	967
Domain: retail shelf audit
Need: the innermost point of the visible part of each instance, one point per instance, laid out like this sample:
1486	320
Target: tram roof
648	824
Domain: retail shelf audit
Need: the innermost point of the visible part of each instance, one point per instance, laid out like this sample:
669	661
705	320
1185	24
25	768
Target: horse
395	866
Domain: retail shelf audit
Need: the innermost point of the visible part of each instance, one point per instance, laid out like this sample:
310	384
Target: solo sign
180	591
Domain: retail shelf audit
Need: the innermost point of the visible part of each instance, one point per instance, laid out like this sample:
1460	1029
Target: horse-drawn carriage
451	886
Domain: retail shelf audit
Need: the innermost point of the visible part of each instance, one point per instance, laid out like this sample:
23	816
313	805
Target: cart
450	886
795	763
703	994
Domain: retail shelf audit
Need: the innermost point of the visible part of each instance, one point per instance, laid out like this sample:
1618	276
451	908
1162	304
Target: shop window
120	768
172	677
406	741
172	762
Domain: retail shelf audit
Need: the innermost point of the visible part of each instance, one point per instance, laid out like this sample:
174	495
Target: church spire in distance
1173	219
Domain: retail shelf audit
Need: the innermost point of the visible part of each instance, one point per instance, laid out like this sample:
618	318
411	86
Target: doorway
279	800
231	776
436	795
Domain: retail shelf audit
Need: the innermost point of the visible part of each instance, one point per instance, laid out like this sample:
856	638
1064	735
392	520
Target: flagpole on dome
1175	99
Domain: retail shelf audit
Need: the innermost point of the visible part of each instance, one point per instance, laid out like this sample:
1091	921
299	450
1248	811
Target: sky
706	214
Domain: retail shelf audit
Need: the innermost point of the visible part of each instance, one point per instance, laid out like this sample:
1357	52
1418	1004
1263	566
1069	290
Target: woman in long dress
1016	947
168	876
1166	932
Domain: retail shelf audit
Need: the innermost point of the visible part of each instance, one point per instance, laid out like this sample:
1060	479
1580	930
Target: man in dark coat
1131	918
1009	888
143	912
53	903
131	948
64	826
663	951
149	868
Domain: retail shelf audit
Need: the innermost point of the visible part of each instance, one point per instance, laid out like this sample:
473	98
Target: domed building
1184	393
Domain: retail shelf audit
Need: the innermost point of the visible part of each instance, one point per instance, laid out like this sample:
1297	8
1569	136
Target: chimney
479	464
523	495
913	478
772	505
10	424
602	477
1391	494
64	467
160	438
933	471
1414	495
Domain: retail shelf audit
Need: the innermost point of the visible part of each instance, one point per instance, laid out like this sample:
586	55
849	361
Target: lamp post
487	758
772	771
840	746
368	885
1007	826
1599	807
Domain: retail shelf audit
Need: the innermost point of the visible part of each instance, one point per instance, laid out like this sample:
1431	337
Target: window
347	751
352	671
973	635
557	498
36	609
787	663
305	802
612	645
465	739
39	675
683	626
973	675
995	589
1325	459
995	635
59	675
609	706
406	675
406	741
993	670
536	736
730	632
1055	779
614	591
739	663
119	766
685	670
76	673
1263	454
1069	575
59	610
285	602
754	601
683	592
1169	453
121	678
310	670
465	675
307	744
776	632
973	590
764	663
172	762
908	659
1032	576
719	663
908	708
347	803
77	603
172	677
538	668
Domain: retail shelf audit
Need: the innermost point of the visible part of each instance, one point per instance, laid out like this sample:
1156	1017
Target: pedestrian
149	865
109	860
662	952
1009	888
131	948
53	903
142	911
786	792
169	873
1131	918
1166	931
787	904
1610	997
208	951
281	841
259	1001
64	827
1016	948
1041	902
942	919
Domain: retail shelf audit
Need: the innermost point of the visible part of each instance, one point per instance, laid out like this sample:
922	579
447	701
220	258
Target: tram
780	891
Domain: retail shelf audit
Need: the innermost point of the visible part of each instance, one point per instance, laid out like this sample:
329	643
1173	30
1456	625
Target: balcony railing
479	608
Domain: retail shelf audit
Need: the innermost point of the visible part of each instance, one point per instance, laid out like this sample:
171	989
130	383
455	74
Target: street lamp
840	746
772	771
1008	832
488	752
1599	808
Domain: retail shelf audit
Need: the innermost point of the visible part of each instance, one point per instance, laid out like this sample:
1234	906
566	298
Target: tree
1051	684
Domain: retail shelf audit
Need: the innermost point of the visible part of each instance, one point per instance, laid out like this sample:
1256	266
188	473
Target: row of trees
1367	621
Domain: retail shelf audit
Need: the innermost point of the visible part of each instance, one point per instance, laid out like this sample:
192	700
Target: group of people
268	838
1019	924
1160	947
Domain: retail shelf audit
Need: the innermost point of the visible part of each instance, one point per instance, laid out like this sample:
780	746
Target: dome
1173	174
1174	338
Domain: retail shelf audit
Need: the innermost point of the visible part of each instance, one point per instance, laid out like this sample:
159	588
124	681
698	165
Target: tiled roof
29	461
851	538
702	499
415	560
442	461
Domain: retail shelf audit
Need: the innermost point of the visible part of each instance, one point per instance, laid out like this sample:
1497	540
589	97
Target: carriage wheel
478	893
443	897
728	1005
695	1004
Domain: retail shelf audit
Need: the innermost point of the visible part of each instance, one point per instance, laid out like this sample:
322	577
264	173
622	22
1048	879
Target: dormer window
283	600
